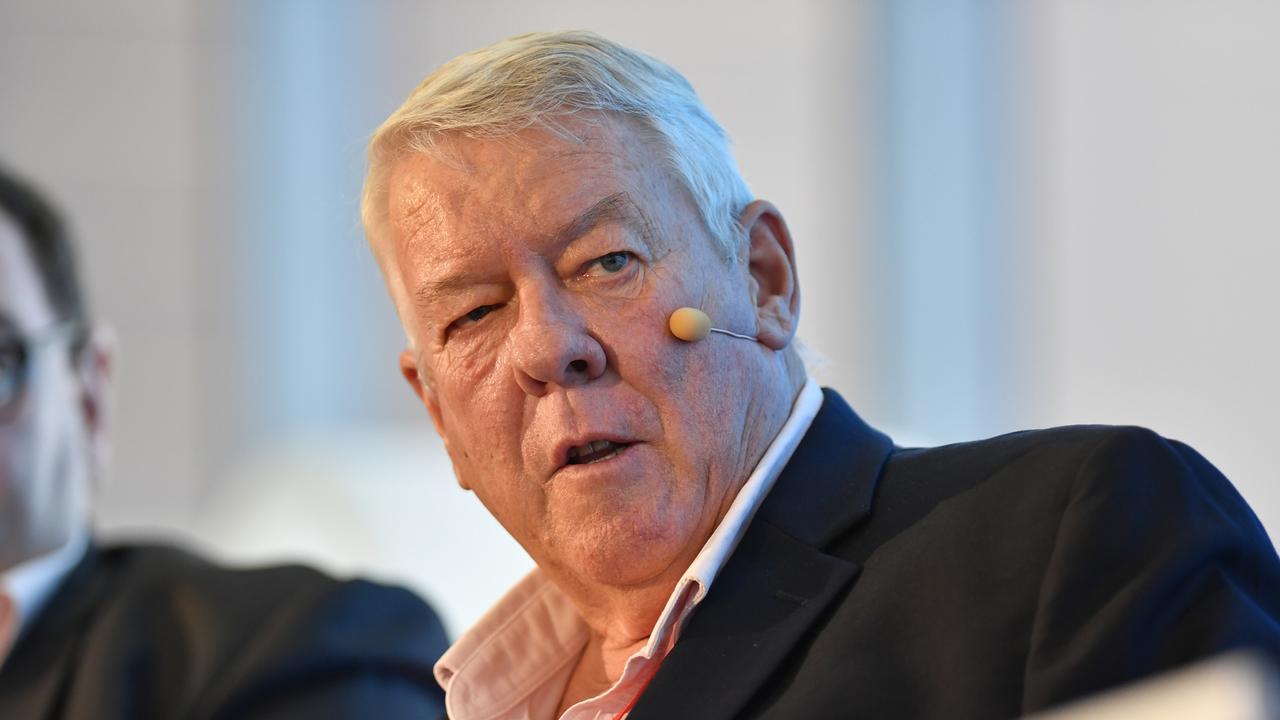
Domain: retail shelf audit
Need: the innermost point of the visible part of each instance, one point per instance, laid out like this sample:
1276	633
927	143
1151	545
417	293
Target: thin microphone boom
734	334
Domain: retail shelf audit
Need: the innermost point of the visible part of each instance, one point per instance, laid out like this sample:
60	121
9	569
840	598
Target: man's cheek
481	429
641	344
15	462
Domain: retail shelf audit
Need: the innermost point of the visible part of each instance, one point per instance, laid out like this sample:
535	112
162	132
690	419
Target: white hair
532	79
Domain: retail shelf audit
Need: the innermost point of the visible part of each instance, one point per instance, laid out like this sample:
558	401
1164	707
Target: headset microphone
691	325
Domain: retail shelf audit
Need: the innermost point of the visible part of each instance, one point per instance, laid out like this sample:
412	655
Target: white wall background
1008	215
1154	206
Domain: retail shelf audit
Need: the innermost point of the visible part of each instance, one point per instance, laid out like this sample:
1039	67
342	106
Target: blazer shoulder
1109	497
162	567
1064	455
169	576
1104	472
247	638
1132	467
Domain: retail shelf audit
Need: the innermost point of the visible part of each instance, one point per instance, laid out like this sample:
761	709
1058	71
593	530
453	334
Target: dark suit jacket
980	580
151	632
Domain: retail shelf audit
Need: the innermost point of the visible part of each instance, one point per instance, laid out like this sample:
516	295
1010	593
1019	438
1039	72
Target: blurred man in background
149	631
716	537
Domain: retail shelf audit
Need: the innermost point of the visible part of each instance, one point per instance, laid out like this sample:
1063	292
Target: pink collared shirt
516	661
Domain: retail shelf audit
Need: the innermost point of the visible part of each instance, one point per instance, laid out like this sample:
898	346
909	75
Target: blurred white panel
945	341
1156	153
1238	686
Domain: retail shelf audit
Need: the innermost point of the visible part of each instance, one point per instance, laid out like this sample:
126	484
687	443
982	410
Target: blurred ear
409	369
772	266
95	371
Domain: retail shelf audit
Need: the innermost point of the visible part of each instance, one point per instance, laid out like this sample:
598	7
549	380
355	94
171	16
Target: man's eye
473	317
610	264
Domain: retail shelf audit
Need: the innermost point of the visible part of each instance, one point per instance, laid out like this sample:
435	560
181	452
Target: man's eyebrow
617	207
433	291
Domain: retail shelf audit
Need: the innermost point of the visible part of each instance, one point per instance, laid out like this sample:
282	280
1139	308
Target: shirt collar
31	583
724	539
533	633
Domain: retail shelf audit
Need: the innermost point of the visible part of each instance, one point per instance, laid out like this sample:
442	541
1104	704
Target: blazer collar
778	581
33	681
828	486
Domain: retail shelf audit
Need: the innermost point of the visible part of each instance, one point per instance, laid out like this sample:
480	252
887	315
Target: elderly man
128	632
716	537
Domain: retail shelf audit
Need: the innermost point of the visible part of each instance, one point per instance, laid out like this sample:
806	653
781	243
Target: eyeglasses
16	351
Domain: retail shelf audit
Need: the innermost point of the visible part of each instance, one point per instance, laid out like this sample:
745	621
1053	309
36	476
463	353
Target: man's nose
550	345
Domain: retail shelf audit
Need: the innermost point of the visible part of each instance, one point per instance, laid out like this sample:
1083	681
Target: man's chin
628	555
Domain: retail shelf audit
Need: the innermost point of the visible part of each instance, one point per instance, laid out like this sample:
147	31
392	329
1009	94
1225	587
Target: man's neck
598	668
622	617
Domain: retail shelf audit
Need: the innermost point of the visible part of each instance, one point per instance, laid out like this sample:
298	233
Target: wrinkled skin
534	275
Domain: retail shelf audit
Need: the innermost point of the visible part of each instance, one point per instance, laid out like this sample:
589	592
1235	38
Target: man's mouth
594	452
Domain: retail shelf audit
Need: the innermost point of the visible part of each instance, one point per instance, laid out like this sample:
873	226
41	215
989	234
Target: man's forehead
534	182
459	167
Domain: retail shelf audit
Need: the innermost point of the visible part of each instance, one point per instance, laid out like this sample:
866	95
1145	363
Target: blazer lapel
778	582
33	683
828	486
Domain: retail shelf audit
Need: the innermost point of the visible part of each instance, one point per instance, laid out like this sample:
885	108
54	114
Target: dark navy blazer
980	580
152	632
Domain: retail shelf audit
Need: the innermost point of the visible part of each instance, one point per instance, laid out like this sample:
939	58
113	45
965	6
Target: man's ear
409	369
772	265
95	369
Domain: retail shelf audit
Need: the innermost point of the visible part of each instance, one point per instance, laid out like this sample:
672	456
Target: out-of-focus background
1008	215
